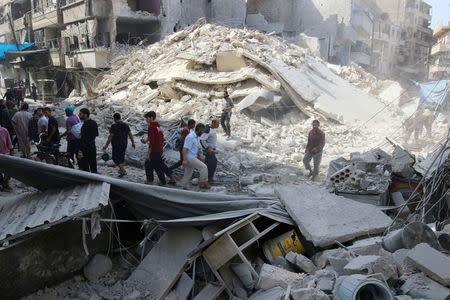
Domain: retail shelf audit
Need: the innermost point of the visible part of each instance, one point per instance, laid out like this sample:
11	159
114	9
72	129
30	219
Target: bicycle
50	154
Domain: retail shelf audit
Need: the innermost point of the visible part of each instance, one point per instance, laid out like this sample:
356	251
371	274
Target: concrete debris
402	162
420	286
209	292
275	293
283	263
98	266
404	267
308	294
346	219
271	276
244	274
432	262
302	262
370	246
325	280
372	264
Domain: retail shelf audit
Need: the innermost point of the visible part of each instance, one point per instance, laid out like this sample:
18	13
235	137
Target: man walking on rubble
52	128
192	158
73	144
6	147
186	130
154	159
20	121
314	148
227	106
118	137
208	140
88	152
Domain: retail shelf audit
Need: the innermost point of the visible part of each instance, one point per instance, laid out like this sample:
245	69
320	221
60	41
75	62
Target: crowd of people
197	143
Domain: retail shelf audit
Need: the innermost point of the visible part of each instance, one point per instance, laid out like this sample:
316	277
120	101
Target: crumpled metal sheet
28	211
153	202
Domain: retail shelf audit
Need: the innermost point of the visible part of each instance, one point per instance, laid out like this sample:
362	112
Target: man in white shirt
192	158
42	122
208	140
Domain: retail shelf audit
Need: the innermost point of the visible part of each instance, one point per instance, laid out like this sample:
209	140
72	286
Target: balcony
89	58
71	12
438	48
43	20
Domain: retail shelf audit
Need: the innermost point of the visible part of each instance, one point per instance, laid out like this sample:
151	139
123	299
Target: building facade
440	53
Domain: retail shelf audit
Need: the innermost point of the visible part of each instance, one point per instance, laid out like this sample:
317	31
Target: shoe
172	183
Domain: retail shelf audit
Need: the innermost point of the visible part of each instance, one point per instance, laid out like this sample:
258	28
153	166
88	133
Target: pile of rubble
278	89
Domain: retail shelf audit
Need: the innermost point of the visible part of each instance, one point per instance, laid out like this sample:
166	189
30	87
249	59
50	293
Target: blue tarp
11	48
435	92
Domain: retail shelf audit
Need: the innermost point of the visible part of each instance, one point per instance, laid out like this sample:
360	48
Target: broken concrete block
371	264
404	267
338	264
432	262
97	267
321	259
420	286
271	276
244	274
275	293
229	61
325	280
346	219
308	294
370	246
283	263
301	261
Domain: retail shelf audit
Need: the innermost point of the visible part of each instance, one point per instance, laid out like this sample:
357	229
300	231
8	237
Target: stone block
97	267
420	286
271	276
432	262
371	264
325	280
308	294
302	262
370	246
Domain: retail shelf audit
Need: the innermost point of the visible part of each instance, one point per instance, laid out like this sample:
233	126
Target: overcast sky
440	11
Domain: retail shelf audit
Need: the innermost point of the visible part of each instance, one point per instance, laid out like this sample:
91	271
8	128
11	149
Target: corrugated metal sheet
21	213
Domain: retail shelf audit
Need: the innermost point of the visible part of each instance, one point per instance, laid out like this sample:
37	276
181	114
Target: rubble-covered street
374	223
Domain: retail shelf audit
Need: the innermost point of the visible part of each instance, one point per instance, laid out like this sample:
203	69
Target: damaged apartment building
82	36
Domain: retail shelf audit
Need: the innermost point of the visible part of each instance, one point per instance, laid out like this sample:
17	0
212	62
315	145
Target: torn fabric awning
153	202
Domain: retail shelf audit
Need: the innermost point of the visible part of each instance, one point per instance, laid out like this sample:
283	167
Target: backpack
76	130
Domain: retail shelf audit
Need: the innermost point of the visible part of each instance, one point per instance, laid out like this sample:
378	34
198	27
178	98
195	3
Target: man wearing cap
73	144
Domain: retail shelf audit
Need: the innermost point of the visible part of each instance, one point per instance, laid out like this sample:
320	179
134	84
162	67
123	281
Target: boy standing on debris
192	158
208	140
118	137
20	121
154	159
88	151
73	144
186	130
227	106
316	142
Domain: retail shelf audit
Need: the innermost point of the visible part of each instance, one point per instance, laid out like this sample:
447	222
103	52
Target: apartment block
440	53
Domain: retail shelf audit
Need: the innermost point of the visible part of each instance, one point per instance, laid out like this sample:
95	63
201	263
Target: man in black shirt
118	137
53	130
88	151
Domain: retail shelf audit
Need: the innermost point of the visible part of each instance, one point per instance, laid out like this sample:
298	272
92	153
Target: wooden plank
210	292
257	237
220	252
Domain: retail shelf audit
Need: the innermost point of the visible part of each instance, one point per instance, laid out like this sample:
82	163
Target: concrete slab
182	289
229	61
275	293
420	286
308	294
160	269
432	262
372	264
271	276
209	292
324	218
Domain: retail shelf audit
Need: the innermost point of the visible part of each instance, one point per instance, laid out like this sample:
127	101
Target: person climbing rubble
192	158
416	123
314	148
118	137
227	106
208	140
88	152
154	159
186	130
